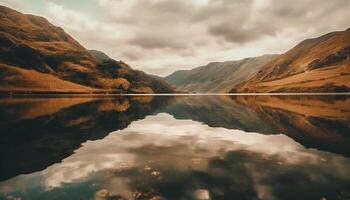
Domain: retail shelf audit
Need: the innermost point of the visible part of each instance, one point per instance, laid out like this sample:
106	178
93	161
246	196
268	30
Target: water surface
182	147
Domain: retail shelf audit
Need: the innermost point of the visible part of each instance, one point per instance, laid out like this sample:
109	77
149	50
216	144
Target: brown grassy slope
32	43
315	65
19	79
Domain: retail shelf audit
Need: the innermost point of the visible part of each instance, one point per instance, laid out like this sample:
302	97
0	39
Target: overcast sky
161	36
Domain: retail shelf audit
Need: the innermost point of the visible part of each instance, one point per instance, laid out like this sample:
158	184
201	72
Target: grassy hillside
218	76
32	48
315	65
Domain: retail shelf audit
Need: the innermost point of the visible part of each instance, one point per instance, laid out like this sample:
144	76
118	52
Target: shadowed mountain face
218	76
315	65
36	133
36	56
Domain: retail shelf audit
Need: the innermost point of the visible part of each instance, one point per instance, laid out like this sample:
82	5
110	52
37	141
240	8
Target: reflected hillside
28	108
332	107
320	122
219	111
161	157
36	133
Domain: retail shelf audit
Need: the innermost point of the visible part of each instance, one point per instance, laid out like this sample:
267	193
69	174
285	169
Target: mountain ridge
319	64
39	57
218	76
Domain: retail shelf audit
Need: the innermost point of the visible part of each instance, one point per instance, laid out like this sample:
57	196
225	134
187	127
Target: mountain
36	56
218	76
99	55
315	65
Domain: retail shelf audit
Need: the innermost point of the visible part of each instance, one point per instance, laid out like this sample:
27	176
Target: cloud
154	34
248	21
156	42
14	4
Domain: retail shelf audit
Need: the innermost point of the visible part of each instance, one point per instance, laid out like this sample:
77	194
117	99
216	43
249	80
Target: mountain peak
315	65
218	76
37	56
5	9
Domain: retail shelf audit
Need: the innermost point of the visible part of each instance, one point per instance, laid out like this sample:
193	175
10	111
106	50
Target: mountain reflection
321	122
36	133
193	147
164	158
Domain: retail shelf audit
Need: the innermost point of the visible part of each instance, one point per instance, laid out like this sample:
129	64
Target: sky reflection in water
164	158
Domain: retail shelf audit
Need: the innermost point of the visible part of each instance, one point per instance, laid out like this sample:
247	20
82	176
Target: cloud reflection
161	157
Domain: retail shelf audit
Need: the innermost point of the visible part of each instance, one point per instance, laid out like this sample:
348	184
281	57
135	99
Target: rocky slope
36	56
315	65
218	76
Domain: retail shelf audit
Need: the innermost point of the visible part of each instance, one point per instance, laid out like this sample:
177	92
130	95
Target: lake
175	147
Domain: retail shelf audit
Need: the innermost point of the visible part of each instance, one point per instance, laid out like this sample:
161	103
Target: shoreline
170	94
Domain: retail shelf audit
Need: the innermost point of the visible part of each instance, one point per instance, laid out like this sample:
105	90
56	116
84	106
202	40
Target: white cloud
160	36
14	4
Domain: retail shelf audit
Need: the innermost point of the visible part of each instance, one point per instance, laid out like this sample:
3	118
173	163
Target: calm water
184	147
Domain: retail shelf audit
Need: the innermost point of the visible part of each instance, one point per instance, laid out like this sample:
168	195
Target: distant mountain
36	56
315	65
218	76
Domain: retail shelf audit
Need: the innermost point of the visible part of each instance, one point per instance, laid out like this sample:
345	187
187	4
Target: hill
218	76
36	56
315	65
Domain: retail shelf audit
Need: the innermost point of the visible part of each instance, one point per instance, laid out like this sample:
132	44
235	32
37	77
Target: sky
162	36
